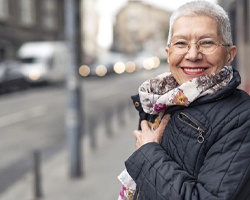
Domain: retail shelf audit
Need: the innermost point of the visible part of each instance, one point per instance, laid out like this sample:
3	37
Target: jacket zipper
194	125
138	193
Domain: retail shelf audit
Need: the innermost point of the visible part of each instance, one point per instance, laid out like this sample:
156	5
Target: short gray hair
204	8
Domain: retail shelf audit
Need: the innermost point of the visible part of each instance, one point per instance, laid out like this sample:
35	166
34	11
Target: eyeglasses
205	46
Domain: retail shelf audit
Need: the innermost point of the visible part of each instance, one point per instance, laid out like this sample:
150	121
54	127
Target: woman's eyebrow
179	37
200	37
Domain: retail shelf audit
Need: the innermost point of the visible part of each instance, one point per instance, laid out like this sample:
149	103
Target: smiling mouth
193	70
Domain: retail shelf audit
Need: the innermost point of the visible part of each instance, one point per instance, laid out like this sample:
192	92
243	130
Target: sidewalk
101	168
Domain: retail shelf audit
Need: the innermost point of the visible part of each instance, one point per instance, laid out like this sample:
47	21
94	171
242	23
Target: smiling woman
193	135
197	49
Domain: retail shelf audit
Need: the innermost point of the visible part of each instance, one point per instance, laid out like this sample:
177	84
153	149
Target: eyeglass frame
198	47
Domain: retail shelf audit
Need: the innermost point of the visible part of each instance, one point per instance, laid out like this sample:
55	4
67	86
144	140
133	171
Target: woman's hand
147	135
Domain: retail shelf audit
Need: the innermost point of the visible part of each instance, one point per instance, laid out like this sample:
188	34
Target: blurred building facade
238	11
29	20
90	24
140	26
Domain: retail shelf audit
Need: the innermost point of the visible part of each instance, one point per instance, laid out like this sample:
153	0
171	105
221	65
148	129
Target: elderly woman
201	148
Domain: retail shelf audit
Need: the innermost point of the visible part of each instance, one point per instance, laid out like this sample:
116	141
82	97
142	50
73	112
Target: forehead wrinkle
197	36
181	31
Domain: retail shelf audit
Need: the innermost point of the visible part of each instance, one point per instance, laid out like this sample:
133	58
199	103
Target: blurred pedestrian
201	148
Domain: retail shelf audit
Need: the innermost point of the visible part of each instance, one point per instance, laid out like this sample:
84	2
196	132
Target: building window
27	10
4	10
49	14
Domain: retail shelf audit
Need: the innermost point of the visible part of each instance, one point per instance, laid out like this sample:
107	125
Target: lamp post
74	111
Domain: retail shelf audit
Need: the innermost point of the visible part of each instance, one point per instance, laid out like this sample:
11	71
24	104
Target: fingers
164	122
146	134
136	133
145	125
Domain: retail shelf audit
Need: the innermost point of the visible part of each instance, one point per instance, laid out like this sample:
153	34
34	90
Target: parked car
10	77
44	62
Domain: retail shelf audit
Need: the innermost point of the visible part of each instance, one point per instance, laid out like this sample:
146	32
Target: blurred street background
68	69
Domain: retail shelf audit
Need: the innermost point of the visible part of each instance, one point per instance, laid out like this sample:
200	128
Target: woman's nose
193	52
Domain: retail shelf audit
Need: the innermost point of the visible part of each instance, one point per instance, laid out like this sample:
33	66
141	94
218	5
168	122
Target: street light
74	111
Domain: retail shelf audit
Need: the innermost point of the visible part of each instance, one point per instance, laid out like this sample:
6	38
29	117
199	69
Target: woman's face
193	63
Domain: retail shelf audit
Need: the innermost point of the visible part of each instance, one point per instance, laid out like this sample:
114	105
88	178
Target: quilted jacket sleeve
224	175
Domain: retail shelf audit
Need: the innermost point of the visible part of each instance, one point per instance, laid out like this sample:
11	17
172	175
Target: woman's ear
231	54
167	51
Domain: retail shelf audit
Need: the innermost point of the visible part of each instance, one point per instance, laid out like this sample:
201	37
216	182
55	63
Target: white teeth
193	70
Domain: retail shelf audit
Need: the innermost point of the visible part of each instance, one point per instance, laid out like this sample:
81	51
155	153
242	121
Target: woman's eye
180	43
207	43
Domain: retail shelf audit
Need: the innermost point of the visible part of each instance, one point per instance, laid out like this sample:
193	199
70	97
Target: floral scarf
161	92
158	93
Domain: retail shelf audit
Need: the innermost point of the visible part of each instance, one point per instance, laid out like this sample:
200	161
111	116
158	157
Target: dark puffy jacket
186	167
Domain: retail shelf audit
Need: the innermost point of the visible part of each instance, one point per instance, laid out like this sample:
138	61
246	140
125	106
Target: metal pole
37	175
74	111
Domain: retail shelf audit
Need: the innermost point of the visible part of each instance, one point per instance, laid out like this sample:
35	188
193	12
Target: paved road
35	120
101	168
